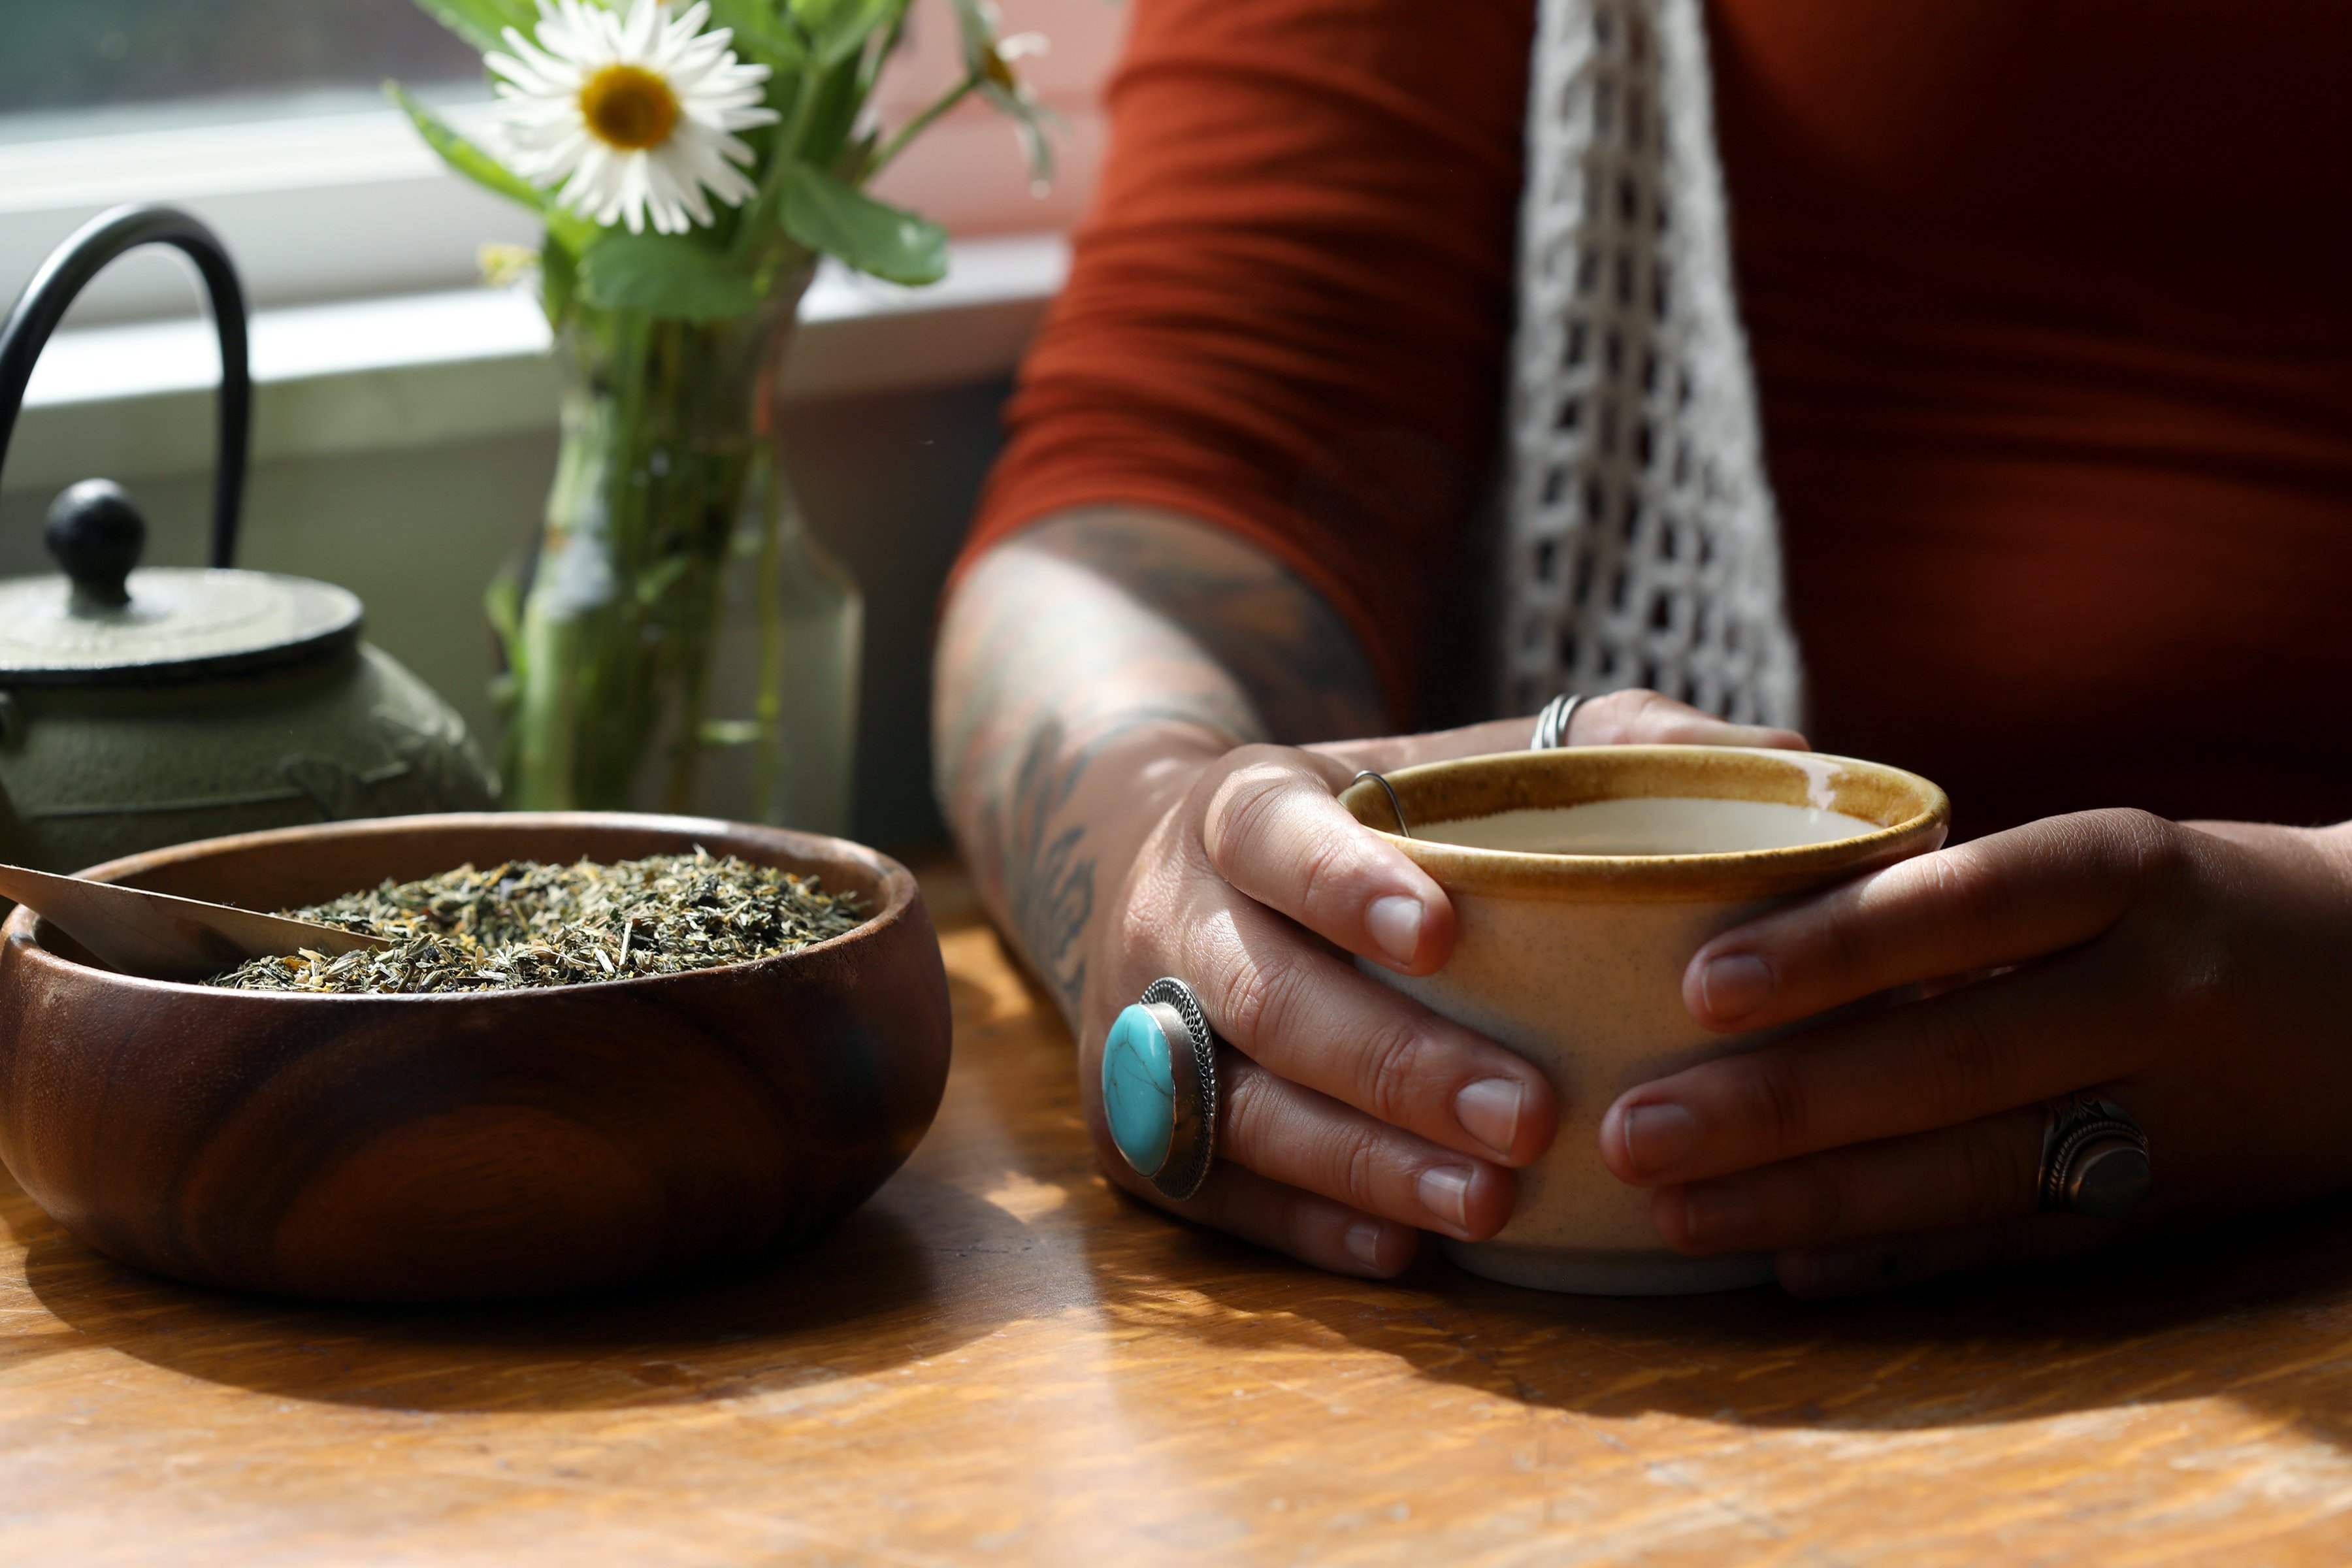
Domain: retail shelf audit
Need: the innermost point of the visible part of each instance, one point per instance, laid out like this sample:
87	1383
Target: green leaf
825	212
836	95
559	281
567	228
758	36
502	603
479	22
840	28
464	156
666	275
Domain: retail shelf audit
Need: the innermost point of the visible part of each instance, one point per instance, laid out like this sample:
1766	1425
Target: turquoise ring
1160	1089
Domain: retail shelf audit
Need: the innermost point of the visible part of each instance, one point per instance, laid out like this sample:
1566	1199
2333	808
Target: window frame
361	254
334	205
305	204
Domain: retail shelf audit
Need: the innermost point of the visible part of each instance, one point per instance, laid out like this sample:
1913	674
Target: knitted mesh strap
1640	545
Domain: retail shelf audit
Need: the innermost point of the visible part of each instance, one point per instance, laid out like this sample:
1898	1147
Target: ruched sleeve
1290	299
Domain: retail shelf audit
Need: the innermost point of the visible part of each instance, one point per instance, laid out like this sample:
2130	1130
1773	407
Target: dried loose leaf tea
524	925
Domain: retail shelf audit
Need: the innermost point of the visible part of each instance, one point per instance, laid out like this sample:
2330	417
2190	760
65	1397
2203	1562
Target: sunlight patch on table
1024	1198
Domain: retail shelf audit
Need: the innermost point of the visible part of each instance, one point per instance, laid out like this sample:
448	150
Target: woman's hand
2193	974
1354	1118
1097	675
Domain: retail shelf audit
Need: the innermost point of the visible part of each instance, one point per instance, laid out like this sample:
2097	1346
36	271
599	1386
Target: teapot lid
103	622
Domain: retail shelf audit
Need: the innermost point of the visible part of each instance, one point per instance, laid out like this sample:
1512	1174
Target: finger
1387	753
1890	1264
1301	1013
1315	1230
1305	1140
1275	828
2015	895
1972	1174
2028	1036
1637	717
1620	718
1266	1212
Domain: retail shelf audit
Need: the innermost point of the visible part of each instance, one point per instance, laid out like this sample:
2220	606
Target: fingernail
1364	1242
1657	1136
1489	1111
1714	1213
1395	923
1445	1192
1733	985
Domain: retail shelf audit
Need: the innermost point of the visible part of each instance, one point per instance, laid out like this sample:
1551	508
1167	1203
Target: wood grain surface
998	1360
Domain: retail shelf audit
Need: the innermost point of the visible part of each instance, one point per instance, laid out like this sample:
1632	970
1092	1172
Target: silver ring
1390	789
1551	724
2094	1159
1159	1088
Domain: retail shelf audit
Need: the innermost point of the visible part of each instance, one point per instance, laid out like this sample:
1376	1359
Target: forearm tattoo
1092	630
1049	896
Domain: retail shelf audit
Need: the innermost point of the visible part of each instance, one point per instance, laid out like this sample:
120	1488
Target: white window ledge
135	401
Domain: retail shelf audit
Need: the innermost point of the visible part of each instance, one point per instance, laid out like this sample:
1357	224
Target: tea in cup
1583	880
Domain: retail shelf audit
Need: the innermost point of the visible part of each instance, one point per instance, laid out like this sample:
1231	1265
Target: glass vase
677	639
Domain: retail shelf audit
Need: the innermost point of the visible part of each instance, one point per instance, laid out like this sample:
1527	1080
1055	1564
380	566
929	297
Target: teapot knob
96	533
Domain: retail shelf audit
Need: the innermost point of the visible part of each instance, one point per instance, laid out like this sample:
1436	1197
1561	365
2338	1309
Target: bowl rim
1637	878
901	892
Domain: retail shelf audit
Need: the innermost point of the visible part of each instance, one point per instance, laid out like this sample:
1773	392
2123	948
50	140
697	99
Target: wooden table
998	1360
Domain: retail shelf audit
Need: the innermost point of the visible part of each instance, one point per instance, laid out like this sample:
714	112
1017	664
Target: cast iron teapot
142	706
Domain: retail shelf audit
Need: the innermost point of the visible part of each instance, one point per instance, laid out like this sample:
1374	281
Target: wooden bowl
445	1148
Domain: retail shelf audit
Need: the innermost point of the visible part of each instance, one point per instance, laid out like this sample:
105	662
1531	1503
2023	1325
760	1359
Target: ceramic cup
1582	881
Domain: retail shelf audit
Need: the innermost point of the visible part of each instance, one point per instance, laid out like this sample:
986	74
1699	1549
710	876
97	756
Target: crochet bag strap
1640	541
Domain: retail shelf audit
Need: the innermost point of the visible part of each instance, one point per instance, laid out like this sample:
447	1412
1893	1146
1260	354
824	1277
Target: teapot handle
68	271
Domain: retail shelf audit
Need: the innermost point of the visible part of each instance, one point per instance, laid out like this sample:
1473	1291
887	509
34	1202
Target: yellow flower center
628	107
998	70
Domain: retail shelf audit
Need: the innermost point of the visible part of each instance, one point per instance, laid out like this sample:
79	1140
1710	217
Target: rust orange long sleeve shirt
2049	306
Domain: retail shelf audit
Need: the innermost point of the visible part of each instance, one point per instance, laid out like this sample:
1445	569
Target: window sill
135	402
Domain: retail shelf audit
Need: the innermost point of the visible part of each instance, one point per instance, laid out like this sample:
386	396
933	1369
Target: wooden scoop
166	938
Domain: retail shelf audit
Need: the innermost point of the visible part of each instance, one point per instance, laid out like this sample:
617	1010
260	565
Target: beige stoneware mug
1582	881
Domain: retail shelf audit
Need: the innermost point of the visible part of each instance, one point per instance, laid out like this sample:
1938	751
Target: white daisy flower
632	113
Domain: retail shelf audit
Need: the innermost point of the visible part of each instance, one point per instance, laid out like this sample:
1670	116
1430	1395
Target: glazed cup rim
1640	878
18	933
